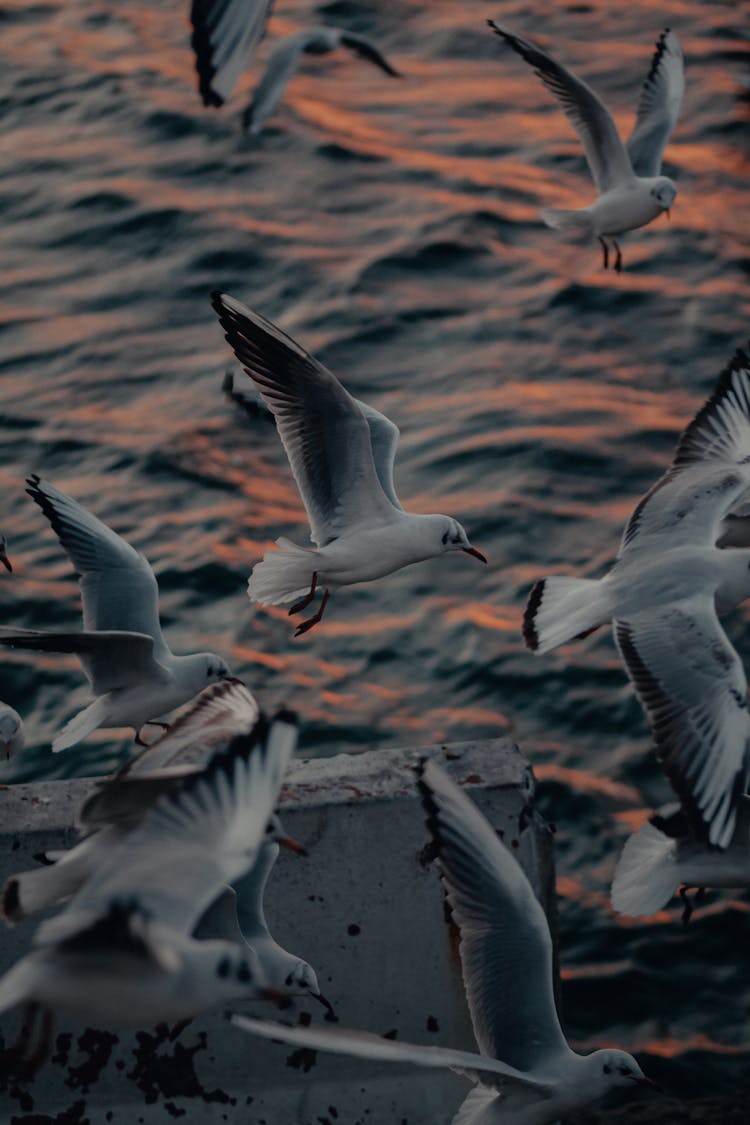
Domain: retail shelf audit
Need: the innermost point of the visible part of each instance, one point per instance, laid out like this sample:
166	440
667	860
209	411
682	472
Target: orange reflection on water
584	782
500	619
669	1047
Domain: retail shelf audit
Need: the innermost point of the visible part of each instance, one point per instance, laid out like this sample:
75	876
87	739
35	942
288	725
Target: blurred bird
526	1073
632	192
225	35
133	674
663	594
12	735
286	57
341	452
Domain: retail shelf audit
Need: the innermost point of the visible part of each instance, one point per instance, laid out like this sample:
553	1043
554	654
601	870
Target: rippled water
392	227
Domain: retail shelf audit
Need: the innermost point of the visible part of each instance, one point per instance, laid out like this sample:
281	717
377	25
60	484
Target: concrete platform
363	909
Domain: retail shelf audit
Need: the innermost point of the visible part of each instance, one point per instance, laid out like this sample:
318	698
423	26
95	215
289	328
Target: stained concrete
364	909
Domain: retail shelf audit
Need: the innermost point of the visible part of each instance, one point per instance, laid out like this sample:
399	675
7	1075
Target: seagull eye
607	1068
243	973
224	967
444	539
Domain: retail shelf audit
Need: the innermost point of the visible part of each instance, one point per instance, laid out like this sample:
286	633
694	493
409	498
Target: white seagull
632	192
341	452
134	676
286	57
526	1073
121	952
12	734
4	554
225	34
222	712
663	594
665	854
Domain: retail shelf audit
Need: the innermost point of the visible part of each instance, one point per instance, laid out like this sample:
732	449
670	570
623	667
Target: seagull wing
192	843
710	471
364	1045
384	435
609	162
692	686
118	587
324	432
366	49
658	107
282	63
225	34
112	660
506	948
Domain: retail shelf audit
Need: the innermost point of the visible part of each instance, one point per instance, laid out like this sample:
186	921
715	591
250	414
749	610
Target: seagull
632	191
526	1073
665	854
222	712
12	735
4	554
133	674
225	34
285	58
341	452
121	952
664	593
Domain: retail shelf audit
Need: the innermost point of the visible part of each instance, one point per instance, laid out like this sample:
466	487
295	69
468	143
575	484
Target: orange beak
477	554
293	845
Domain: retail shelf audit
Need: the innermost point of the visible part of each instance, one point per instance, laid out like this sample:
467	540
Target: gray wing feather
225	34
658	106
282	63
111	659
609	162
324	432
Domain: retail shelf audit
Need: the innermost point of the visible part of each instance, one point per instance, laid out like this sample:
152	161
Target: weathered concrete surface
363	909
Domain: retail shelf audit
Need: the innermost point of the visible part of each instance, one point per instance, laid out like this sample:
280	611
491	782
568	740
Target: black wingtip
530	634
11	901
286	715
740	362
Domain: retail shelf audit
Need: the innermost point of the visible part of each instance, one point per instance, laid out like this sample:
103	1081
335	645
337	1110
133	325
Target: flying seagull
663	594
341	452
632	191
12	735
285	58
122	951
526	1073
133	674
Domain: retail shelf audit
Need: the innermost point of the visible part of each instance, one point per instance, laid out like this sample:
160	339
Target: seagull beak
650	1083
6	562
293	845
666	212
331	1016
477	554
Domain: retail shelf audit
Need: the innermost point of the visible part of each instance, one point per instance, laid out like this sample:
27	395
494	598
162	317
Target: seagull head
617	1068
216	668
664	191
454	538
11	731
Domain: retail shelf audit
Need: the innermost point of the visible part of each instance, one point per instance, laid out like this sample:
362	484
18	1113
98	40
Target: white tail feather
646	875
561	608
82	724
42	887
579	221
282	575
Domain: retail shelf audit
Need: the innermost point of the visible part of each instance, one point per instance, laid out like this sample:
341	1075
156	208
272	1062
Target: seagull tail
82	724
560	609
579	221
282	575
38	889
646	875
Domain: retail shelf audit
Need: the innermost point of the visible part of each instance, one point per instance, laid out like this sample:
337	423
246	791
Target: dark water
392	227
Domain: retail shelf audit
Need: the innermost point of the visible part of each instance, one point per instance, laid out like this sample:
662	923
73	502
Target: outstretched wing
324	432
282	63
225	34
692	686
658	106
710	471
506	948
110	659
118	586
609	162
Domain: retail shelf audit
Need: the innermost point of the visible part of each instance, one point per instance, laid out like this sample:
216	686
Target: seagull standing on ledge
341	452
133	674
526	1073
632	193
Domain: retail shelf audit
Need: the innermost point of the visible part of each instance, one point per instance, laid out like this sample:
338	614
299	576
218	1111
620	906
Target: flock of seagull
140	942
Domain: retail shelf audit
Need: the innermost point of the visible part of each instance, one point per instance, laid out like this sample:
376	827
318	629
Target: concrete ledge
364	911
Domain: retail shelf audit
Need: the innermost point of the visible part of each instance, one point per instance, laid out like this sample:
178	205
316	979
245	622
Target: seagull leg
303	603
688	906
312	621
605	248
618	259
